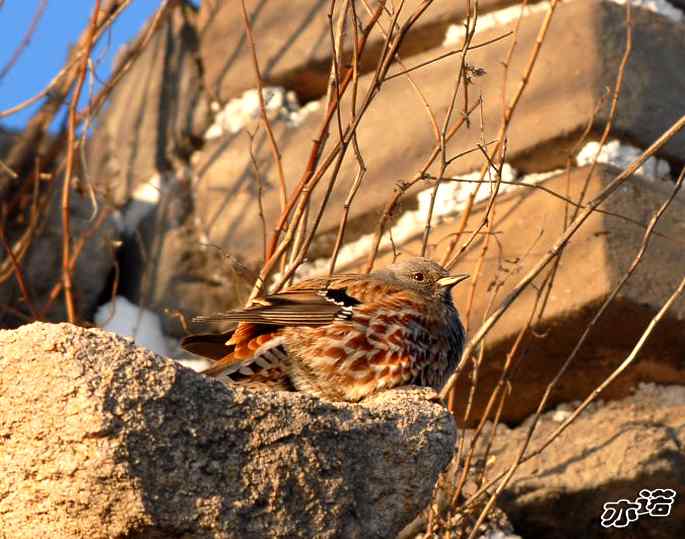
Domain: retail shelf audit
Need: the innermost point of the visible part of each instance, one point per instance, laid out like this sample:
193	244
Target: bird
342	337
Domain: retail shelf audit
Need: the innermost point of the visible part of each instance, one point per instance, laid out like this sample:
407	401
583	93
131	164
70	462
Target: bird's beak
449	281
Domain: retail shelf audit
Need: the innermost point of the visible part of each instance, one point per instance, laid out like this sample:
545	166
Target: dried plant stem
461	76
275	250
66	188
127	60
37	16
110	12
338	152
19	274
507	116
57	91
522	456
560	244
506	477
614	99
609	299
78	248
361	164
260	193
448	54
565	198
390	206
262	106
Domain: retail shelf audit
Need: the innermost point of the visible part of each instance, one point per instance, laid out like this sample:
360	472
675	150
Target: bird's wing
313	303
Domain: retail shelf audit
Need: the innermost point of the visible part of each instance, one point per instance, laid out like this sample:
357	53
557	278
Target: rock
566	88
42	263
102	439
156	113
295	51
168	267
528	222
191	279
608	453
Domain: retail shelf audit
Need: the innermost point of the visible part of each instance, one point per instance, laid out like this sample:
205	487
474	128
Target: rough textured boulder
528	222
102	439
610	452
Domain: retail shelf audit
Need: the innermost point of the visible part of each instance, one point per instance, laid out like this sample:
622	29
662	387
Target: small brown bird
343	337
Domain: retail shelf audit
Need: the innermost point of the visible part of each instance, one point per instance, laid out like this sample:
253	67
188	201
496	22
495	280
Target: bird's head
424	275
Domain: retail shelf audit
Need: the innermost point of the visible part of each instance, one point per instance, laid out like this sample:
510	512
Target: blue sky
60	26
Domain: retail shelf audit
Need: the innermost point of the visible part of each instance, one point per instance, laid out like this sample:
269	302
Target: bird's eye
418	276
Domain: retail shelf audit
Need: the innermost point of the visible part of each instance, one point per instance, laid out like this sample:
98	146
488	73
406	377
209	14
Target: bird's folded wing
291	308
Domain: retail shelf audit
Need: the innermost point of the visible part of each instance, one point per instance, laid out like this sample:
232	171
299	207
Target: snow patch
143	202
128	320
279	103
621	155
661	7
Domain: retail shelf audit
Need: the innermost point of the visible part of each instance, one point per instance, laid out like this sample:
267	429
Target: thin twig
448	54
262	107
596	392
66	189
26	40
19	274
559	245
260	192
114	11
508	112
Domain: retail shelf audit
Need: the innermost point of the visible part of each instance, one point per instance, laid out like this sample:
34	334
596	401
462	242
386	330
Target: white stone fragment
456	33
279	103
561	415
128	320
195	364
498	534
620	155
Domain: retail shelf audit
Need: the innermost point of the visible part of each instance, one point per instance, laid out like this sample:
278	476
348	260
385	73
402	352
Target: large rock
609	453
102	439
527	223
295	51
157	112
396	140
